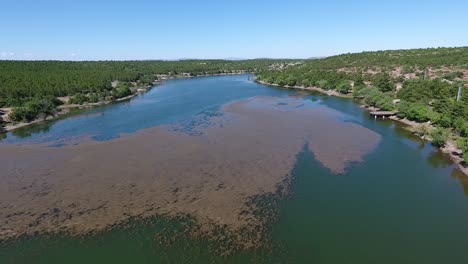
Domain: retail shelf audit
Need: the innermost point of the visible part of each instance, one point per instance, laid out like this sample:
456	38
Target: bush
344	87
384	82
385	103
421	130
291	81
121	92
375	98
20	114
93	98
417	112
269	80
452	75
322	84
445	121
32	109
462	143
424	91
281	81
78	99
463	131
439	137
359	81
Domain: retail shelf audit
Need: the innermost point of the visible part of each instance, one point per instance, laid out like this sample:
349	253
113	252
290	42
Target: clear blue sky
172	29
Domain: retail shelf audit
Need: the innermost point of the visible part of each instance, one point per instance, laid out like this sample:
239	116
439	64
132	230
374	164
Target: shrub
439	137
20	114
421	130
417	112
384	82
291	81
385	103
462	143
445	121
322	84
93	98
121	92
344	87
79	99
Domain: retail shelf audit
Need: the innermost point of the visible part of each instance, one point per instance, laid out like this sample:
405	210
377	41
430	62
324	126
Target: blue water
175	101
405	203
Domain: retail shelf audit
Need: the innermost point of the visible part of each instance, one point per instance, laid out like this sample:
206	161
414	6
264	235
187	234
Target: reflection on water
439	160
39	128
461	178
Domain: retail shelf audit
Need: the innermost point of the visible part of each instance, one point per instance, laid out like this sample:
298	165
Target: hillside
420	85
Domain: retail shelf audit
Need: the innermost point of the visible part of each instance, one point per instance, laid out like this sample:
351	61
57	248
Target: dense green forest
32	87
425	82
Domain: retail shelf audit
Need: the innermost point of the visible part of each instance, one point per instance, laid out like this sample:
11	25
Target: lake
223	169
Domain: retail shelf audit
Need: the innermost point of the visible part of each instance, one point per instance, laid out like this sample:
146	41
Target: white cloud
6	54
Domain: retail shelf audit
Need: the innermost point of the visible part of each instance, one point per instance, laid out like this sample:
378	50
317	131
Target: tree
417	112
20	114
422	130
385	103
439	137
384	83
462	143
445	121
344	87
79	99
359	81
291	81
322	84
281	81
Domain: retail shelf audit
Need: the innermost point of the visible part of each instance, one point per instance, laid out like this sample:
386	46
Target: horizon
232	59
143	30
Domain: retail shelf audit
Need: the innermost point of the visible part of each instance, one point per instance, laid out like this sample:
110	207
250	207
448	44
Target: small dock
382	114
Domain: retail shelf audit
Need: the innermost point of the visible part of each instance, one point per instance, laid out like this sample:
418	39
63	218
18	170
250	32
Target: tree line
32	87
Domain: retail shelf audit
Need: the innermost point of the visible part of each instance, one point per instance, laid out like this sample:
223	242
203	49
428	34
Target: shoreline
450	148
65	108
454	153
310	88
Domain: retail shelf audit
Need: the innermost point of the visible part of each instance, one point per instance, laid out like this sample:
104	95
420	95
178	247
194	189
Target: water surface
401	201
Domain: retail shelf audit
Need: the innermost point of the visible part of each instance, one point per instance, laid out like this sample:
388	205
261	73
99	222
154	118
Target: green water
406	203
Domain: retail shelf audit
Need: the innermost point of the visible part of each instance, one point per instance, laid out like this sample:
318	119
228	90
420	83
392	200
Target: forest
420	85
32	87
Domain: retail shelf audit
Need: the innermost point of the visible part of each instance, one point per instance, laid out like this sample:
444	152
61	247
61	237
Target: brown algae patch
228	176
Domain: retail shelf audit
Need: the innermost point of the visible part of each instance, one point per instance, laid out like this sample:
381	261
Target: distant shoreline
310	88
64	109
